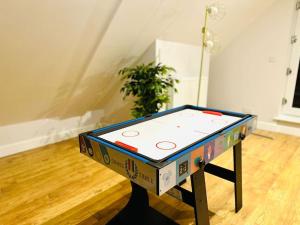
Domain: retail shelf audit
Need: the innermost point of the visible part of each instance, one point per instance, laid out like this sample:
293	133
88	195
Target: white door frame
292	77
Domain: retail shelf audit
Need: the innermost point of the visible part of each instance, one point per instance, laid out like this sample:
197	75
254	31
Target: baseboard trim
21	146
280	128
20	137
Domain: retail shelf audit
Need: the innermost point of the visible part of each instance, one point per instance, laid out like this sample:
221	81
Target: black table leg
237	160
199	191
138	212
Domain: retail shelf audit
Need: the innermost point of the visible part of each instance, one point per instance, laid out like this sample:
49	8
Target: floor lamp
214	11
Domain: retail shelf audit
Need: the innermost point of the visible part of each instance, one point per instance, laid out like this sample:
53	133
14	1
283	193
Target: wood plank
55	184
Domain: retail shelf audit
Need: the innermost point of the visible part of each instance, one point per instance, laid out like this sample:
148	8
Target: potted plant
150	85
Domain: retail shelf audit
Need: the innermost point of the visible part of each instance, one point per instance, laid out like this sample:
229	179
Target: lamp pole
204	30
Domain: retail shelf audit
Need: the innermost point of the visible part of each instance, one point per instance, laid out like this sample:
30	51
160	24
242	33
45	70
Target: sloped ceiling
60	58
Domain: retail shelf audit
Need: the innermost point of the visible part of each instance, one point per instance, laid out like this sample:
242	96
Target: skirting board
280	128
25	145
25	136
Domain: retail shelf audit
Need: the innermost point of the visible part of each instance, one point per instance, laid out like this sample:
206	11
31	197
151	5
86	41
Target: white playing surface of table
160	137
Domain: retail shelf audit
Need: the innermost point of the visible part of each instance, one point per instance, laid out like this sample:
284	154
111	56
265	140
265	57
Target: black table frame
138	212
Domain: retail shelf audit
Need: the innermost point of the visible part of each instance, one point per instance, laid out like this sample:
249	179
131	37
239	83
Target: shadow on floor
167	205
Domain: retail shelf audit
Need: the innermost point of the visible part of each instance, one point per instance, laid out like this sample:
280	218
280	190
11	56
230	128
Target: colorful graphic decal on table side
131	169
236	135
83	147
105	154
167	177
89	147
209	151
196	157
140	172
219	145
97	153
251	126
90	151
244	130
183	167
228	140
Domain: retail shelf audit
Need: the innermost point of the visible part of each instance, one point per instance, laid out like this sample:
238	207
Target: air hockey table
158	152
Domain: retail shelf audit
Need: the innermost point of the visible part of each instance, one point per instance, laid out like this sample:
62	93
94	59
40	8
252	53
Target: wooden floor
57	185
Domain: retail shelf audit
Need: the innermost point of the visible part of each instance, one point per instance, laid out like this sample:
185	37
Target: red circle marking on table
167	142
134	133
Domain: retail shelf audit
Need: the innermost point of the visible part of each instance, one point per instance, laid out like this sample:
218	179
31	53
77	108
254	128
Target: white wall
185	59
249	74
59	59
55	54
23	136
